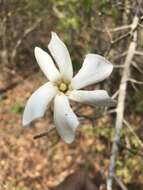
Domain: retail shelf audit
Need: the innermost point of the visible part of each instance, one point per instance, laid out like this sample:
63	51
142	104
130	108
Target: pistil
63	87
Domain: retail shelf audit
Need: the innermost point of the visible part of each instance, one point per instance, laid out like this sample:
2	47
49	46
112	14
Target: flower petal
46	64
37	103
65	120
61	55
94	98
95	68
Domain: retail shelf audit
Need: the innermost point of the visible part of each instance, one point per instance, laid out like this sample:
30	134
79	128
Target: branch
139	53
97	116
43	134
133	132
137	67
119	66
121	101
133	27
131	150
123	187
3	34
135	81
20	40
125	27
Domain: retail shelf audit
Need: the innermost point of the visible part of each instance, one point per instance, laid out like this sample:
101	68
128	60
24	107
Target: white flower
62	86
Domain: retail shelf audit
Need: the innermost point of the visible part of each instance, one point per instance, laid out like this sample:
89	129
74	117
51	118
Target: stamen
63	87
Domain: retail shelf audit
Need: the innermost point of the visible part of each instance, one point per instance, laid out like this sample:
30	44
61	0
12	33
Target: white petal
61	55
46	64
95	68
38	102
94	98
65	120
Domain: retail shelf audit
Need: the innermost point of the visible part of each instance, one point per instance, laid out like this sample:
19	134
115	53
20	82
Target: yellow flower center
63	87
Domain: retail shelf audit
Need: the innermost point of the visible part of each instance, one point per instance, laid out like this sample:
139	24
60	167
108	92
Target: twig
141	25
119	66
113	42
132	131
134	86
131	150
107	31
120	183
139	53
58	13
20	40
43	134
121	101
119	28
115	94
119	56
133	27
97	116
137	67
135	81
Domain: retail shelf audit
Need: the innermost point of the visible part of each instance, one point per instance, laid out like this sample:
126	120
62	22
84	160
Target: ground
27	163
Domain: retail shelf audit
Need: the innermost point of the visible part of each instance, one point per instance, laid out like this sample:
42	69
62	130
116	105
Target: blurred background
85	26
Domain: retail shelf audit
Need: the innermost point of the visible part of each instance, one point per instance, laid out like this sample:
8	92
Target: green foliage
69	22
33	4
11	185
106	132
17	108
128	150
87	4
21	188
104	6
37	4
76	65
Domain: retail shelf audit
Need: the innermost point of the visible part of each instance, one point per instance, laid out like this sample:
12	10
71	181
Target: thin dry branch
121	100
135	81
139	53
118	66
43	134
3	38
133	132
120	28
133	27
137	67
123	187
20	40
120	56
